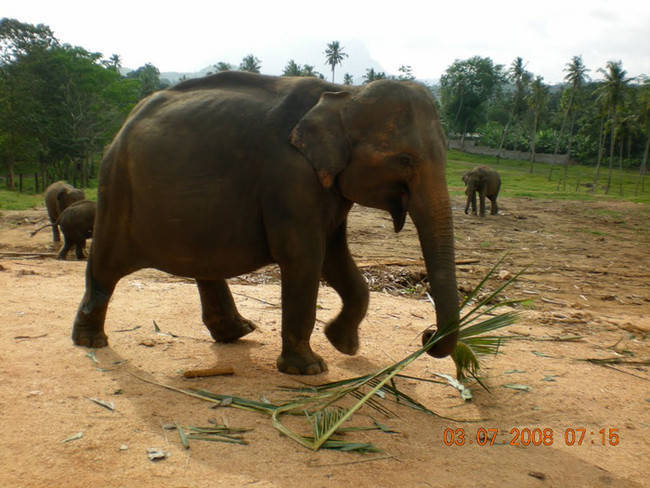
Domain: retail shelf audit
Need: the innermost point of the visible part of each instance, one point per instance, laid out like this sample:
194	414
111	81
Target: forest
60	105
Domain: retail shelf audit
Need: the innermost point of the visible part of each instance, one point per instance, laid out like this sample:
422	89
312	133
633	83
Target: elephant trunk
430	211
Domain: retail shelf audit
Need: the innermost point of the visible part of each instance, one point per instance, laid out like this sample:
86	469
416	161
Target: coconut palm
334	55
537	101
372	75
520	78
613	92
576	74
347	79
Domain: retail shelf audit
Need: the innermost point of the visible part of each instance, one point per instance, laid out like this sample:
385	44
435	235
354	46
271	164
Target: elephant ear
320	136
62	199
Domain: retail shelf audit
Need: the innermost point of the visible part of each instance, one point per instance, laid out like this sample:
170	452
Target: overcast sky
189	35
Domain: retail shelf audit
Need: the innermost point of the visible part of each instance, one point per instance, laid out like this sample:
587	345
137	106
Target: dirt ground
588	276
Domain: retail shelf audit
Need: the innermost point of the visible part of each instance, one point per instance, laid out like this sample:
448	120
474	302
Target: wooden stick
202	373
27	254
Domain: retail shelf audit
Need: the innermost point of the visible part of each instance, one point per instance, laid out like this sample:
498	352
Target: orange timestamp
573	436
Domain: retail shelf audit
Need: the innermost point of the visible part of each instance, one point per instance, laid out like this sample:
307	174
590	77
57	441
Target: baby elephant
487	183
76	223
58	197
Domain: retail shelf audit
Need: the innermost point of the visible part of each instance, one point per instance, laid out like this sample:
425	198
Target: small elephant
59	196
76	223
487	183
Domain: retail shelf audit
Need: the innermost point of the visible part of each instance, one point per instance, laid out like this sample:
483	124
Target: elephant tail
34	232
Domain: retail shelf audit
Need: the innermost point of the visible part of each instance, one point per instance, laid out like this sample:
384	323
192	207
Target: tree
347	79
334	55
537	102
520	78
466	89
613	91
223	66
250	63
644	119
576	73
405	73
23	115
292	69
149	78
372	75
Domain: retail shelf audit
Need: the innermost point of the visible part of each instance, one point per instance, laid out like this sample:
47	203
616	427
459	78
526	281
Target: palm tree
223	66
347	79
372	75
308	70
292	69
520	78
644	116
334	55
576	73
613	92
537	101
250	63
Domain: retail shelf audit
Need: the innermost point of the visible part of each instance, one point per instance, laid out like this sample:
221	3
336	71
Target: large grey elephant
487	183
58	196
76	223
221	175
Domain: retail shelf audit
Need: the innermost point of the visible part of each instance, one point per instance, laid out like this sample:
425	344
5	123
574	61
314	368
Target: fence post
20	182
36	182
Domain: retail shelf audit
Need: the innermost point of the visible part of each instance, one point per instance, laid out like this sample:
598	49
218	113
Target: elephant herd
219	176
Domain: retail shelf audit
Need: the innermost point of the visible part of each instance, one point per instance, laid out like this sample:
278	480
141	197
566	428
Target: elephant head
382	146
67	196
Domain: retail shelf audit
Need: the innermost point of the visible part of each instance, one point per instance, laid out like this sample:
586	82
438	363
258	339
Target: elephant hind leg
220	313
494	208
342	274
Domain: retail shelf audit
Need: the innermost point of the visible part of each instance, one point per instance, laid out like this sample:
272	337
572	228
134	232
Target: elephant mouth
398	208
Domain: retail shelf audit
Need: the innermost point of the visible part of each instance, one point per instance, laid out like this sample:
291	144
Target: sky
428	35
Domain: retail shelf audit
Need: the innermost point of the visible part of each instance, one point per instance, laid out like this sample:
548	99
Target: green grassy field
516	182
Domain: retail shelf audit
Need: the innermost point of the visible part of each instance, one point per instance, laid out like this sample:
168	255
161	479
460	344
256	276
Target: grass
14	200
518	182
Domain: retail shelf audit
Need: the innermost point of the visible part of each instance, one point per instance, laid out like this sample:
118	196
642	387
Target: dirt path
587	273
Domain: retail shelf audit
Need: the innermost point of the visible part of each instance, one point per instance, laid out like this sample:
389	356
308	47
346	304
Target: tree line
593	121
60	105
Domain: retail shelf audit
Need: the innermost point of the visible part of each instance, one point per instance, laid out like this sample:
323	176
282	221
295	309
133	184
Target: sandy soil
587	274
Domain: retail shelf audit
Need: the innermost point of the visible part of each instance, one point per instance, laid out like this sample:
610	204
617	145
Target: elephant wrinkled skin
221	175
487	183
59	196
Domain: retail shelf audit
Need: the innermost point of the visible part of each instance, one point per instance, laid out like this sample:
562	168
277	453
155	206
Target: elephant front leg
342	274
300	281
220	313
473	202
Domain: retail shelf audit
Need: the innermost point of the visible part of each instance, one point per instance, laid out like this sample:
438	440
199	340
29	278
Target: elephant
221	175
76	223
58	196
487	183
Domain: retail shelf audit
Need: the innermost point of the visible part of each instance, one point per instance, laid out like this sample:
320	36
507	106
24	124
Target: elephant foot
294	363
342	338
229	330
85	337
